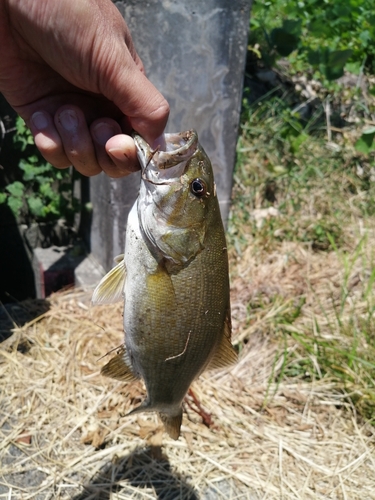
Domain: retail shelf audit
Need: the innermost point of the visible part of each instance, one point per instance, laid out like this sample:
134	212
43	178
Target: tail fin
172	424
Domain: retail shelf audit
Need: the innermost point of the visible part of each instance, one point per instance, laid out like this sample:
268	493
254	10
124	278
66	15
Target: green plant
45	193
366	143
327	35
284	161
343	347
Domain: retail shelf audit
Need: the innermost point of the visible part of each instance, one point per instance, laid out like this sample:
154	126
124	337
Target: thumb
144	106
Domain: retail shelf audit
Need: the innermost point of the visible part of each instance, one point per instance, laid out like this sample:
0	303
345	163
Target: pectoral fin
110	288
119	258
119	367
225	354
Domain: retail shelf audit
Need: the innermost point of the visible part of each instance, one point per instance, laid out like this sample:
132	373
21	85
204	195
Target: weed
45	192
301	230
284	162
316	34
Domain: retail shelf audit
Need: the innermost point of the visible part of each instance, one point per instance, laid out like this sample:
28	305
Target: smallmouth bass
173	277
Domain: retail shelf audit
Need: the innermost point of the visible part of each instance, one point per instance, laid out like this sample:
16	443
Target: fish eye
198	188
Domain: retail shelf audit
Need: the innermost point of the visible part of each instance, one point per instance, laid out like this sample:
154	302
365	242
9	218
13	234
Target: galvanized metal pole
194	53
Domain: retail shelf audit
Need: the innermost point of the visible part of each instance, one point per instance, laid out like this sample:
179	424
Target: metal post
194	53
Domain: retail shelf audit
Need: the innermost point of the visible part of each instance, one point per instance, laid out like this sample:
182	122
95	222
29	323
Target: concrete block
88	273
54	268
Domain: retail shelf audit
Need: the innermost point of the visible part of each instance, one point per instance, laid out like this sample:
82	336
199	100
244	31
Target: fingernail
102	132
123	149
69	120
39	120
118	153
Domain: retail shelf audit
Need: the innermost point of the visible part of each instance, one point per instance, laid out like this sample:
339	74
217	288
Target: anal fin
172	424
119	367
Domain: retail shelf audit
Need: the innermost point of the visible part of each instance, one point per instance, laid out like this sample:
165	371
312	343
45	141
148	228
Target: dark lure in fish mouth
179	147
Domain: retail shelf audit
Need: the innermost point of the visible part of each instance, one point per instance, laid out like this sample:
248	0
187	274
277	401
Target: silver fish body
177	308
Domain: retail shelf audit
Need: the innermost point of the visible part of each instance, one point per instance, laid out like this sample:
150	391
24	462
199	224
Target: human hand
70	70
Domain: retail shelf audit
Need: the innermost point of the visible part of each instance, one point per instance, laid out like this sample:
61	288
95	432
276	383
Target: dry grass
63	433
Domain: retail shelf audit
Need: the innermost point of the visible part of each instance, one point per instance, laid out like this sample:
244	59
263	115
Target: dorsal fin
119	367
111	286
225	354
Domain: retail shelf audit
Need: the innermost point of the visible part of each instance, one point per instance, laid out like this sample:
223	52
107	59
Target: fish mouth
178	148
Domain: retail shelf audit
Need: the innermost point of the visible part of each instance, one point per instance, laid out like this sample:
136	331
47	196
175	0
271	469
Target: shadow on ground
16	314
141	469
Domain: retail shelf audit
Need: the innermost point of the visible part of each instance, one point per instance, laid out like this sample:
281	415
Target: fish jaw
179	148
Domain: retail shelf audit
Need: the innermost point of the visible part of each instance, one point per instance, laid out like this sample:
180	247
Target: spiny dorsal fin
111	286
119	367
225	354
172	425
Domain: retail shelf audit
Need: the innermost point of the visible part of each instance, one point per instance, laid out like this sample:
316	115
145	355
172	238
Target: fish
173	278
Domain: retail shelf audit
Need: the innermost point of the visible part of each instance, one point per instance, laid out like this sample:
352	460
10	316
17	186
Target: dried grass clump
63	433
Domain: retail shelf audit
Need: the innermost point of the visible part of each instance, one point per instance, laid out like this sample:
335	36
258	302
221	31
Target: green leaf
365	37
16	189
338	58
36	206
331	72
334	68
33	159
21	126
354	67
296	142
3	198
316	57
292	26
15	204
29	166
47	191
254	23
29	171
365	143
319	27
284	42
52	208
330	62
342	12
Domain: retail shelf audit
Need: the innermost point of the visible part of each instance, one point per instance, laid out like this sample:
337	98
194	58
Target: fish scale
174	279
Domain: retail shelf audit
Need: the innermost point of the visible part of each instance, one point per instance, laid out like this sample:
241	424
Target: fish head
176	196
